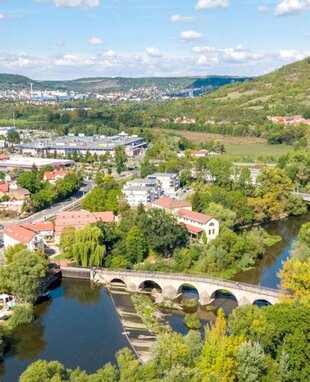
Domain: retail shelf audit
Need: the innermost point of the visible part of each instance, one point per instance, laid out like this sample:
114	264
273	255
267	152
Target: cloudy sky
65	39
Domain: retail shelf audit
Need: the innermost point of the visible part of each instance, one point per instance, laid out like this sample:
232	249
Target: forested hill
107	84
242	108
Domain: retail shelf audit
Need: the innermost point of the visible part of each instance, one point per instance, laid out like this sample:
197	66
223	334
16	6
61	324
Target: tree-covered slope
242	108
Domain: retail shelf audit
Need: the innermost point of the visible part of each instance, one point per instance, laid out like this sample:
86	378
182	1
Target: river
79	325
266	270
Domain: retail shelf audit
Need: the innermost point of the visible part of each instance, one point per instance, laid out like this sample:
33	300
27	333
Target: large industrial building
26	163
82	144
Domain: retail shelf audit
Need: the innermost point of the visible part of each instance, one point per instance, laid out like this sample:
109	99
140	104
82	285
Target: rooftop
170	203
194	216
19	233
28	162
79	219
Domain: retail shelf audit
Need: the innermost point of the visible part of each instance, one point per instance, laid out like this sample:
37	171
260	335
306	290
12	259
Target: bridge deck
187	278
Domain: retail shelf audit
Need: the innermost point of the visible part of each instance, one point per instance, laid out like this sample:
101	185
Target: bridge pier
169	292
205	298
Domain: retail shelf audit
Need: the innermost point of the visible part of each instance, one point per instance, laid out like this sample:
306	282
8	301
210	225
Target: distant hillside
242	108
106	84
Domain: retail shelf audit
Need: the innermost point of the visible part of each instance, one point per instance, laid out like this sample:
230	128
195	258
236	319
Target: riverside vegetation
269	344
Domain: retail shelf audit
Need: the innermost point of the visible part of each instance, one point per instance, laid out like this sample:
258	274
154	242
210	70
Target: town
154	191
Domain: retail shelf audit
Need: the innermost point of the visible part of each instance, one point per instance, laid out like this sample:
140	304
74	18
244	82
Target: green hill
242	108
107	84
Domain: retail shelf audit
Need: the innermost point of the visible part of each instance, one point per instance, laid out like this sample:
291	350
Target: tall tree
120	159
136	246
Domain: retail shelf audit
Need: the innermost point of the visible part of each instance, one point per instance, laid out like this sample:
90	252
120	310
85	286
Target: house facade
143	191
197	224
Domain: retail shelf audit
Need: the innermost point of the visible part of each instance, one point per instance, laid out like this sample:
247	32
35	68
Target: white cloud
95	41
262	9
73	60
238	55
153	52
73	3
181	19
205	4
292	55
2	16
191	35
288	7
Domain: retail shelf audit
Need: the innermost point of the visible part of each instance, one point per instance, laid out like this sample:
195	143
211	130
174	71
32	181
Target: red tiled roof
192	229
195	216
170	203
51	175
4	156
4	187
18	233
79	219
39	226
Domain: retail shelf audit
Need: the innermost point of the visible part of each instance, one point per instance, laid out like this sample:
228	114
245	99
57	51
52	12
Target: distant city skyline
68	39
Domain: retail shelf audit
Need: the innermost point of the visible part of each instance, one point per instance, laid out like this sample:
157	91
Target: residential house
78	219
44	228
15	234
197	224
4	189
53	176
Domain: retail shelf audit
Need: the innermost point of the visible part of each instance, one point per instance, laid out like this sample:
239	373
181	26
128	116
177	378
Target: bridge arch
225	299
150	284
261	302
117	281
188	290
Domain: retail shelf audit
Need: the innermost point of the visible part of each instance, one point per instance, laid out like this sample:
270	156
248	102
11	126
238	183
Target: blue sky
65	39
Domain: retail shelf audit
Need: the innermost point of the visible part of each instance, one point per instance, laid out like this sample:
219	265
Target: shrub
21	315
192	321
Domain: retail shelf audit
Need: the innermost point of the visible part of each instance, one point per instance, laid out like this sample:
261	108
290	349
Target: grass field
256	151
199	137
245	149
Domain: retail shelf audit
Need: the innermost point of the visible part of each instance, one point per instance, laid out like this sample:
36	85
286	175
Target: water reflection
78	326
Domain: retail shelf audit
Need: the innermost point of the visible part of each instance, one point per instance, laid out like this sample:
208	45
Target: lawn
256	152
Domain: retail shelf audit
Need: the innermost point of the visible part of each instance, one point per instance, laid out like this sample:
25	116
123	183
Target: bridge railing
192	278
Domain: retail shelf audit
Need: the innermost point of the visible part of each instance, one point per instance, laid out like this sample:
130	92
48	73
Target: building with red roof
15	234
170	204
197	223
52	176
78	219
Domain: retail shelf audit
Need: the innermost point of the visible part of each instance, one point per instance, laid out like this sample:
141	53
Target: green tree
251	362
120	159
226	217
162	232
23	275
45	371
31	181
295	205
88	248
136	246
67	240
304	234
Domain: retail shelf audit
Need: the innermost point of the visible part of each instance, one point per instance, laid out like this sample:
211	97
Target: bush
21	315
192	321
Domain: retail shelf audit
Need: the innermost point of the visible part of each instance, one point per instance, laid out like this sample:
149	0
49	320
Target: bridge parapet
206	286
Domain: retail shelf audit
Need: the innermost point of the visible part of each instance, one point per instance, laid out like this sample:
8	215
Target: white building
14	234
143	191
170	182
197	223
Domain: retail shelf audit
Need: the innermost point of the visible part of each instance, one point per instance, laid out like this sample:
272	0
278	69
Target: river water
79	325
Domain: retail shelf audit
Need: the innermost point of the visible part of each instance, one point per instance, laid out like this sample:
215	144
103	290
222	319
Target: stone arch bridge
171	285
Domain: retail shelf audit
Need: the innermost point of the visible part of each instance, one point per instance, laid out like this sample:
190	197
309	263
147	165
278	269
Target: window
211	224
213	231
209	232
